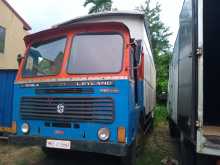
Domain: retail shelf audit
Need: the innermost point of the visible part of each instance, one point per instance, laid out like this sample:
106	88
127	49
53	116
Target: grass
158	145
22	162
160	115
19	155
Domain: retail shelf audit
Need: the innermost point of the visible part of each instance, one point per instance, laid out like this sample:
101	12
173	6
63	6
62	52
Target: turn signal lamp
121	135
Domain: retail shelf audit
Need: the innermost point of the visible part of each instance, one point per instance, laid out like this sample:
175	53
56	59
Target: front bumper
85	146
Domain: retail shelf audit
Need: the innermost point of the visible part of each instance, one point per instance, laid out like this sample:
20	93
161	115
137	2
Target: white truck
194	86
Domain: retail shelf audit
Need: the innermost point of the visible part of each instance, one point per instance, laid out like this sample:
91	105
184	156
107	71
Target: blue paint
7	78
125	115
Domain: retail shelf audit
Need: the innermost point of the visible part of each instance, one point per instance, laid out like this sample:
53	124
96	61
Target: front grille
92	109
65	91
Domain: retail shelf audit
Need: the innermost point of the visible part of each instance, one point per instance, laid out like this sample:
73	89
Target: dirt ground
158	146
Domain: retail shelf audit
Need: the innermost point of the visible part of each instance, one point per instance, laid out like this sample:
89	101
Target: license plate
59	144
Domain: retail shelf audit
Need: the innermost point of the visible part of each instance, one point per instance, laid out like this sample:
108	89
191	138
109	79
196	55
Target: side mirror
138	52
137	45
137	48
19	59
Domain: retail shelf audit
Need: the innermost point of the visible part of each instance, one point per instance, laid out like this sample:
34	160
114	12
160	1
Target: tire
130	158
142	122
187	152
146	123
151	129
174	131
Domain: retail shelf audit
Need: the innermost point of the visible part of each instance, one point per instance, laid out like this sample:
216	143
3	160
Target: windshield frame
97	33
45	40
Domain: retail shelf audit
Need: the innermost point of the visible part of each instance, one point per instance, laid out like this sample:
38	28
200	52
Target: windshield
96	53
44	58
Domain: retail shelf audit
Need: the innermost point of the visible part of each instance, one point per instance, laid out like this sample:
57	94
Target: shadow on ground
79	158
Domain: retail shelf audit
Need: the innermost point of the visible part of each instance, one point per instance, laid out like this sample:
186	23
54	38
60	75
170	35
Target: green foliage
160	44
160	115
159	37
99	5
22	162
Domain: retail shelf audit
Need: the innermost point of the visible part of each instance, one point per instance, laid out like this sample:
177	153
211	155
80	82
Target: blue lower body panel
7	78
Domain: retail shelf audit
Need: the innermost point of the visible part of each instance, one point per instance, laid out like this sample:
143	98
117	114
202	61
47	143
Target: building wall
15	33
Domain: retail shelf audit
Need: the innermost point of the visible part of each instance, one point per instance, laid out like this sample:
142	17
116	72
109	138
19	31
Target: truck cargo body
197	79
98	94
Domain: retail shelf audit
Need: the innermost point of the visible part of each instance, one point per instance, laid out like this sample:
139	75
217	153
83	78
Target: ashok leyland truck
86	85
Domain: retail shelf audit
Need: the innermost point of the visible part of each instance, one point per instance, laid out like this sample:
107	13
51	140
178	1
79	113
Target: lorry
87	84
193	104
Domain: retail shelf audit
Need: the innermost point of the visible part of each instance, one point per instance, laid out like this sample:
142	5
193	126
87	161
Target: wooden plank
211	131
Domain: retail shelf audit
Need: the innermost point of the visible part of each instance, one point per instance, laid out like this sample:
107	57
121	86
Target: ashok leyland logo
60	108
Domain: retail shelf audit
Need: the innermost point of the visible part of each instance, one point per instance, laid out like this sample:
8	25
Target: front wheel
130	158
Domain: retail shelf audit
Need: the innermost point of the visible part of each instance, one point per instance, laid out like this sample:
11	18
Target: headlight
25	128
103	134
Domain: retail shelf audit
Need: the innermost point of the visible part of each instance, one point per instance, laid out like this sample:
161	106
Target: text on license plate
60	144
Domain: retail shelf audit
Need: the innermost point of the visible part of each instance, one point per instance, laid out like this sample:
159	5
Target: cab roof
134	21
64	30
103	15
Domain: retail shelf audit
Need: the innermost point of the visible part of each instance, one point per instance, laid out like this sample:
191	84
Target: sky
42	14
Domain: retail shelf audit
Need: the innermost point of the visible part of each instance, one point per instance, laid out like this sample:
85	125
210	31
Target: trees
99	5
160	44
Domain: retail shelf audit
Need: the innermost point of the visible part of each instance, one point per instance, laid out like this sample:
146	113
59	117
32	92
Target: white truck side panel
173	83
149	76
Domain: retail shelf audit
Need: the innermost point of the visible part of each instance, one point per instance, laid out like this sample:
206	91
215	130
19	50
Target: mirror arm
19	58
133	43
